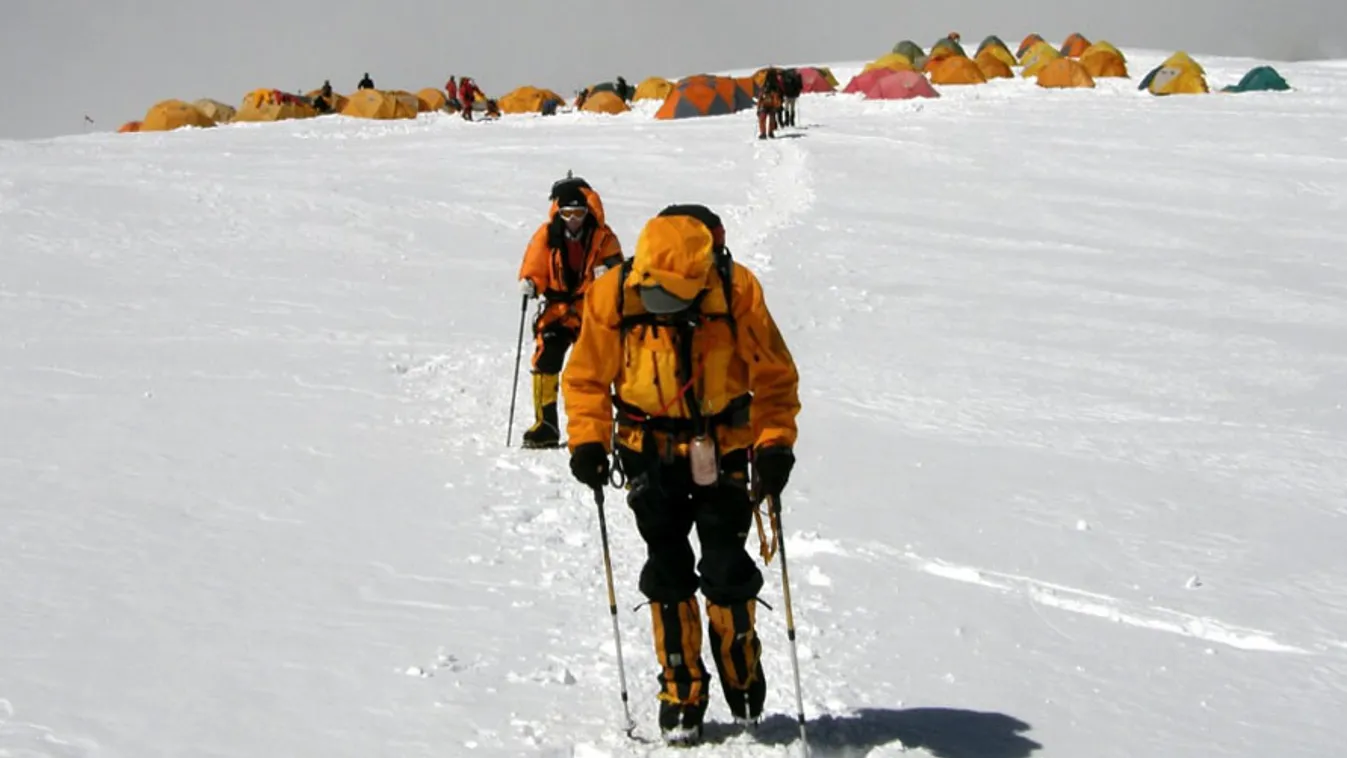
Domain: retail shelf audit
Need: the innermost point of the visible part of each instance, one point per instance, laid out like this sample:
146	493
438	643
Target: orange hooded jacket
640	365
545	257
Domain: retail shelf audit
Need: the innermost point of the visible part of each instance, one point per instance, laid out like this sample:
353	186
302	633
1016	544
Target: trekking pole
790	617
518	354
612	608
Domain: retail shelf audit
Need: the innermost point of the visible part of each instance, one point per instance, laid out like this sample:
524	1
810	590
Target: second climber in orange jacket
562	260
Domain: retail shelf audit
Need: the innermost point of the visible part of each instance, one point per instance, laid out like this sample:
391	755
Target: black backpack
722	260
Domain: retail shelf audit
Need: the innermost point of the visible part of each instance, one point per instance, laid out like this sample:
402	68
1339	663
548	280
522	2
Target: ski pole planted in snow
612	608
790	618
518	354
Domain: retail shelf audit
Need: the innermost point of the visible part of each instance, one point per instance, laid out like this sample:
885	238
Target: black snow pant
668	505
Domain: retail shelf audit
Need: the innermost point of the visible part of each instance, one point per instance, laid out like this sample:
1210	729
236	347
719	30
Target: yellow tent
604	102
1038	57
1103	46
1064	73
654	88
527	99
431	99
378	104
892	61
1037	50
173	114
216	110
1170	80
1183	60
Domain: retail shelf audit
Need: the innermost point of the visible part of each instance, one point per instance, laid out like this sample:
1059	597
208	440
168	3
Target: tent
704	95
216	110
1029	41
604	102
1260	79
815	80
991	41
129	127
527	99
1064	73
1178	75
654	88
891	61
883	84
999	52
431	99
1104	46
1074	46
909	50
1102	63
378	104
827	74
1037	57
748	84
173	114
992	66
1168	80
335	104
947	43
957	69
273	105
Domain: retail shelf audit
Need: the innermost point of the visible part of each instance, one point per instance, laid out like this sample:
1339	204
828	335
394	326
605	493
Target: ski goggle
571	214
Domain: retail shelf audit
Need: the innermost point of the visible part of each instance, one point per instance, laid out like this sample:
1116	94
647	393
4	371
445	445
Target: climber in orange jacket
700	381
562	260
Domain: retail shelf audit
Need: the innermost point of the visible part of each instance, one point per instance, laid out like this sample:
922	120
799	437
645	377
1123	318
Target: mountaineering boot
682	678
738	654
545	432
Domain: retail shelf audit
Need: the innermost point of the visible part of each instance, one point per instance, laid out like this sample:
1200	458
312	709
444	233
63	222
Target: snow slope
1073	461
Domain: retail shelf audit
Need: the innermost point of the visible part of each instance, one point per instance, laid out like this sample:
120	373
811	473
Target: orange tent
173	114
604	102
1102	63
992	66
377	104
1074	46
749	85
704	95
431	99
957	70
527	99
1064	72
129	127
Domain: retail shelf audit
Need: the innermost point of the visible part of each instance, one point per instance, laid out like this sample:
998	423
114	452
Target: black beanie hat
570	196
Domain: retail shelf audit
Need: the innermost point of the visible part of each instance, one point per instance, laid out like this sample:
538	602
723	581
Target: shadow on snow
940	732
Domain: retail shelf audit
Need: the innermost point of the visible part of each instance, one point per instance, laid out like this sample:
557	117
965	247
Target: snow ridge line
1102	606
781	192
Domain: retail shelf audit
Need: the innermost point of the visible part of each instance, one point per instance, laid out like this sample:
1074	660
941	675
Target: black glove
589	464
771	468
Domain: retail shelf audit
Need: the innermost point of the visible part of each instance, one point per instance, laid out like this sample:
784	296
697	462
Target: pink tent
886	84
815	81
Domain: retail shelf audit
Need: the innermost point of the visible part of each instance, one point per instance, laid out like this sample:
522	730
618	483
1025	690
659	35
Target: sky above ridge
112	59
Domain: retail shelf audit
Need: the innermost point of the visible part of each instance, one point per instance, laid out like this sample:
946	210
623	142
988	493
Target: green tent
910	49
953	46
990	42
1260	79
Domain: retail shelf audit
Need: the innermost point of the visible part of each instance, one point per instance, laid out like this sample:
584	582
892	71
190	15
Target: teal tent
1260	79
